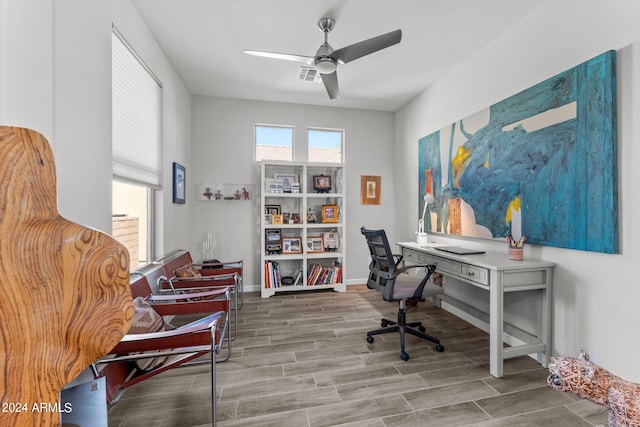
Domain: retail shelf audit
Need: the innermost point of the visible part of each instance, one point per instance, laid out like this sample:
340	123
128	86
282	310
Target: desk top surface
491	259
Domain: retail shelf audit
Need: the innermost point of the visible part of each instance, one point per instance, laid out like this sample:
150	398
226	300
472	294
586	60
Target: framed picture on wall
369	190
179	183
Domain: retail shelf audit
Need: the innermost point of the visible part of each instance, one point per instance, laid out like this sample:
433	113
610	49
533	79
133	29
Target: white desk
494	272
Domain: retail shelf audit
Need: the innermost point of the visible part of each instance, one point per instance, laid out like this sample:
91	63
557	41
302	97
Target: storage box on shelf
302	228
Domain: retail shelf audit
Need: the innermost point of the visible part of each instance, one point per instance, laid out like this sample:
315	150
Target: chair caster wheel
439	348
404	356
370	340
422	329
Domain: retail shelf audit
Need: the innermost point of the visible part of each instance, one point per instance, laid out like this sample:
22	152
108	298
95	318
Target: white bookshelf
307	199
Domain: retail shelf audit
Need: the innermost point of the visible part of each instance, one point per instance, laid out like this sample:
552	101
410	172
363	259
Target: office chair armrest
398	258
410	266
420	289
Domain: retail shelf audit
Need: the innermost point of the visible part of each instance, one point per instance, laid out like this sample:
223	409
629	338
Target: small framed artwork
315	244
321	183
277	219
272	209
179	183
291	245
329	213
267	219
369	190
287	181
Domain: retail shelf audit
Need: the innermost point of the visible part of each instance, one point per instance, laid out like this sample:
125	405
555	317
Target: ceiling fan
326	59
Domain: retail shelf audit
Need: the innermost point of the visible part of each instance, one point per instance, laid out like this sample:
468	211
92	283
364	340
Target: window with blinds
136	117
137	151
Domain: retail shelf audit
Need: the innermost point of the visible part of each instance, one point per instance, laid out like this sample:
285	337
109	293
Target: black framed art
179	183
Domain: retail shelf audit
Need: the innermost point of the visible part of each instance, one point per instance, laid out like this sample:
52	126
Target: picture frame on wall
179	183
370	187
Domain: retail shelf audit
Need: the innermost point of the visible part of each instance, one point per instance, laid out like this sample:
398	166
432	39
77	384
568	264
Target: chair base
402	327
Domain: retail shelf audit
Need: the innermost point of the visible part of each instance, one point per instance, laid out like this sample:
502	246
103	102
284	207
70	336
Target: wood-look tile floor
301	359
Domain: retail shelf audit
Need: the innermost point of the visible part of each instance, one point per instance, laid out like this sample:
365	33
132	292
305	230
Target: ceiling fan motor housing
325	64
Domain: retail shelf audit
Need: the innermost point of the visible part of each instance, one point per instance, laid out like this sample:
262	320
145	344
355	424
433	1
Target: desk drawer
410	256
475	274
442	265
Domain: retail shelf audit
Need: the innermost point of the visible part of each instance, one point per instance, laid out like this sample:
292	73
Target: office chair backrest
383	268
381	255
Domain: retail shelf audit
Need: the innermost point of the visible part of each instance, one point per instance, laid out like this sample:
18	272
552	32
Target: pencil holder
516	247
516	253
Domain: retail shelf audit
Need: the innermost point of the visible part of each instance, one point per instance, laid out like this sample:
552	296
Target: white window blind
136	117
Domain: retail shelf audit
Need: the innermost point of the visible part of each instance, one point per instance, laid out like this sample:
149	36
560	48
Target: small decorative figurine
218	195
245	193
207	193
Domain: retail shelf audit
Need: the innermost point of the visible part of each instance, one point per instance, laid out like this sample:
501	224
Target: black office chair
386	277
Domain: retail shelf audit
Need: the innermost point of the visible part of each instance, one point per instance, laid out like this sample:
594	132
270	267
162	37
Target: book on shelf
272	276
318	274
298	278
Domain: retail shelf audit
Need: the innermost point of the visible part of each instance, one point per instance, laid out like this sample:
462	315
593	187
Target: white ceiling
204	40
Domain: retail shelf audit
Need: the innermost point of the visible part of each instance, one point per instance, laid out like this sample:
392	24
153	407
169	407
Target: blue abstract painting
541	164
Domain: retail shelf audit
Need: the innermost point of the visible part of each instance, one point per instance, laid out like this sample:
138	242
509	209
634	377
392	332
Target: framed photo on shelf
369	190
272	209
321	183
291	245
329	213
179	183
277	219
315	244
267	219
287	181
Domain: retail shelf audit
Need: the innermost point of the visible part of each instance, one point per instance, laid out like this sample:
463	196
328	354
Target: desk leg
547	295
495	324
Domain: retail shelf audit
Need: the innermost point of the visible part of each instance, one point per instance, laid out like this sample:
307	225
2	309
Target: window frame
324	129
266	125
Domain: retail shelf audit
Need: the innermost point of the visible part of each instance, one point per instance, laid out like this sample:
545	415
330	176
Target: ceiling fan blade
286	56
365	47
331	84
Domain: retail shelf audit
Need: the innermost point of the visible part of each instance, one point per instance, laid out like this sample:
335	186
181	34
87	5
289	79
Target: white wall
55	77
223	152
596	295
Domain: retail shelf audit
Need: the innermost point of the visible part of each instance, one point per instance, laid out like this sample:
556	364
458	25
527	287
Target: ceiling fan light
325	65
